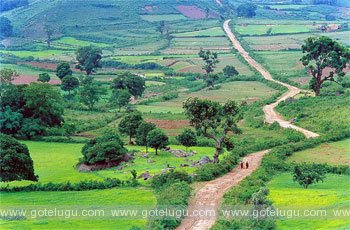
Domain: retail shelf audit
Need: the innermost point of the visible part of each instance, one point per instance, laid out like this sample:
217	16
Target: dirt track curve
209	196
270	114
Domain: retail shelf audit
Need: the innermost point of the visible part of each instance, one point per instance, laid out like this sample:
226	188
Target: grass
286	7
211	32
77	42
335	153
106	200
163	17
330	195
276	29
238	91
55	162
44	54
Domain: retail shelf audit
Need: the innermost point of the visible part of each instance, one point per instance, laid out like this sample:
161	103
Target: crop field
239	91
332	193
211	32
275	29
104	200
163	17
285	7
335	153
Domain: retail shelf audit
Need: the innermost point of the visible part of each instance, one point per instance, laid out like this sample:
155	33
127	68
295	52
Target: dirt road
270	114
209	196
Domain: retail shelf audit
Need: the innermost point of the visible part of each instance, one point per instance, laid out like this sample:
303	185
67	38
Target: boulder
146	175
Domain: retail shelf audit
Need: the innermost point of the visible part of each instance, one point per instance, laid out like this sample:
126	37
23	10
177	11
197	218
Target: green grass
238	91
26	70
55	162
212	32
77	42
163	17
330	195
335	153
276	29
45	54
106	200
285	7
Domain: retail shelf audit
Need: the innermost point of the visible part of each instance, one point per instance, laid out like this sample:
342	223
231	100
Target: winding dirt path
270	114
209	196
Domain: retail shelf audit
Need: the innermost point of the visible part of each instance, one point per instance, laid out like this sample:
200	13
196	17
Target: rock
121	167
146	175
145	155
184	165
179	153
150	161
293	120
204	160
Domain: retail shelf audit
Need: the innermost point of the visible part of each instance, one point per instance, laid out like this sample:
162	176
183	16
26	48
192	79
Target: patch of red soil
43	65
25	79
169	124
194	12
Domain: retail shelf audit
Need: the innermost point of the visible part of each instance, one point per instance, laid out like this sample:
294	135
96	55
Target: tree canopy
307	174
157	139
15	163
187	138
6	28
44	77
142	133
230	71
88	58
63	69
246	10
69	83
120	98
133	83
90	92
130	123
213	120
322	53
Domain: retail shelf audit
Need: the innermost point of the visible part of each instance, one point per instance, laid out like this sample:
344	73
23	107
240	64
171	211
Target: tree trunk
156	151
130	142
216	155
146	148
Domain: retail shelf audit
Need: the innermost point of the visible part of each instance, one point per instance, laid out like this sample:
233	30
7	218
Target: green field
285	7
163	17
79	201
211	32
332	194
276	29
335	153
238	91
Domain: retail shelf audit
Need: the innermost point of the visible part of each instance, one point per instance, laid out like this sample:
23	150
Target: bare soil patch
194	12
25	79
169	124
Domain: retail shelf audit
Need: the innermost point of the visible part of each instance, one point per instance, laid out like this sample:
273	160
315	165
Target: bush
159	181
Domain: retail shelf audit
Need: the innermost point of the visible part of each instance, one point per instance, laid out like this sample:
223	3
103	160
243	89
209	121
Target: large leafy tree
157	139
105	149
90	92
246	10
142	133
69	83
230	71
120	98
213	120
187	138
44	77
43	102
15	160
10	121
321	53
63	70
307	174
133	83
88	58
130	123
7	75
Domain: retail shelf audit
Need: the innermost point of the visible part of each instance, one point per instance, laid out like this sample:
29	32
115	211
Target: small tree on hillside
7	75
322	53
88	58
69	83
120	98
6	28
44	77
230	71
307	174
142	133
157	139
15	163
63	69
246	10
213	120
161	28
211	60
187	138
90	92
130	123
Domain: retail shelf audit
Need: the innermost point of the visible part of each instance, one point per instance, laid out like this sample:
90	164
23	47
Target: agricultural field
333	192
335	153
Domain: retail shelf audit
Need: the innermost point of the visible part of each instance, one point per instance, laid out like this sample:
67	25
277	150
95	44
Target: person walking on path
242	166
246	165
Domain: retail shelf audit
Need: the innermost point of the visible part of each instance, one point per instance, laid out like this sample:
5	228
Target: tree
15	163
6	29
10	121
211	60
187	138
321	53
90	92
130	123
246	10
88	58
157	139
69	83
213	120
133	83
307	174
161	27
207	12
30	128
63	69
142	133
7	75
44	77
120	98
49	30
43	102
105	149
230	71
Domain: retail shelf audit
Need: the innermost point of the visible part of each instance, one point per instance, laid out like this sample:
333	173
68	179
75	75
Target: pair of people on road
246	165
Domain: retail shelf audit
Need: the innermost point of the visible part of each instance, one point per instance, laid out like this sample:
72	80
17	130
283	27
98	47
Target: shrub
159	181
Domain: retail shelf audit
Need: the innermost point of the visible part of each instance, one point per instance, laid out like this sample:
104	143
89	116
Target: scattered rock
150	161
184	165
121	167
84	167
145	155
202	161
146	175
293	120
180	153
